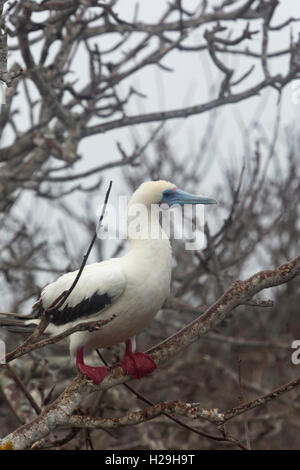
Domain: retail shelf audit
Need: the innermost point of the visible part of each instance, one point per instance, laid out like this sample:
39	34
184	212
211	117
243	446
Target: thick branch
238	293
185	112
190	410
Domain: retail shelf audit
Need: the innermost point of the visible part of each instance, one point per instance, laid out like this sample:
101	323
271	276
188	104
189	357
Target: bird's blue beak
176	196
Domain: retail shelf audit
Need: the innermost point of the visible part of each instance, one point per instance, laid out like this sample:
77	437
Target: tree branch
59	412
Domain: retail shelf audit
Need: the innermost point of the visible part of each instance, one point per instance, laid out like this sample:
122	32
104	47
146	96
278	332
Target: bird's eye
167	193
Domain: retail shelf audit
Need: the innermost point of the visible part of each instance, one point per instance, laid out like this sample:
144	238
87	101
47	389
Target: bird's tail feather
16	323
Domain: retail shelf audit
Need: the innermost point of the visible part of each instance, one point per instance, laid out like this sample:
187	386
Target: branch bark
59	412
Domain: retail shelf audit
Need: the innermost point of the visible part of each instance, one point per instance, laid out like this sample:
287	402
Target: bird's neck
146	234
150	255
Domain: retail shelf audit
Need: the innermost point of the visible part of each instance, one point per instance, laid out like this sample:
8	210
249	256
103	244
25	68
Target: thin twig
58	302
22	387
149	402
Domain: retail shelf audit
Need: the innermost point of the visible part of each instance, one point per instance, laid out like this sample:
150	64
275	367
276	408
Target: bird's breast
148	278
148	282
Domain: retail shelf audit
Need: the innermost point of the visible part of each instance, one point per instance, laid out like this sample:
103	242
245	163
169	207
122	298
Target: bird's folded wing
99	286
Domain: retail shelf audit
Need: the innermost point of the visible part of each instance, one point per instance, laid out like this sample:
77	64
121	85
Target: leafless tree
227	384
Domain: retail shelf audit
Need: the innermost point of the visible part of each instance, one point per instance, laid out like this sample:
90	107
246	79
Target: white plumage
131	288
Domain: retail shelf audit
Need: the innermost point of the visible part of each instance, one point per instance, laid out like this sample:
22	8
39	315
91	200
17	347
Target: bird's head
165	193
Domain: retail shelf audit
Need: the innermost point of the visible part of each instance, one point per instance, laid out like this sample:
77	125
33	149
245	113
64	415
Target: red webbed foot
137	364
97	374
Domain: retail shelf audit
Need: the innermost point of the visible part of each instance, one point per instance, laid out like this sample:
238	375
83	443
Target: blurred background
205	94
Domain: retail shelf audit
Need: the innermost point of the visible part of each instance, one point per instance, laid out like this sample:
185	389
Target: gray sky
190	83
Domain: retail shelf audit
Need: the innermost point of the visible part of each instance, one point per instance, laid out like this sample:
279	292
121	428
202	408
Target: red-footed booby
130	289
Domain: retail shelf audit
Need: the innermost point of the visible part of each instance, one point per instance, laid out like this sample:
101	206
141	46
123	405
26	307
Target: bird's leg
97	374
137	364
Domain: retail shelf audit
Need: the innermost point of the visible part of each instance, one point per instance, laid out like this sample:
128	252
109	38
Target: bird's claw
96	374
138	364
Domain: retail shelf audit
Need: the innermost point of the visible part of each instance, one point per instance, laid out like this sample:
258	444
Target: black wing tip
87	307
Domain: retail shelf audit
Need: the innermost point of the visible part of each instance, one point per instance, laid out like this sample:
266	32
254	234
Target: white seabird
130	289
